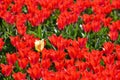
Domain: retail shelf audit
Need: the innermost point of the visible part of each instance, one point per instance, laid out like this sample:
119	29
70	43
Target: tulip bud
39	45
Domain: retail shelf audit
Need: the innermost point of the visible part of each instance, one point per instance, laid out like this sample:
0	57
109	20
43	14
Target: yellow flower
39	45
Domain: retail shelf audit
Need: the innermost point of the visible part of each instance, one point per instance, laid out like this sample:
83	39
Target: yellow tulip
39	45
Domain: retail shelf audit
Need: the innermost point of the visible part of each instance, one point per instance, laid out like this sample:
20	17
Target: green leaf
95	40
102	63
24	9
39	32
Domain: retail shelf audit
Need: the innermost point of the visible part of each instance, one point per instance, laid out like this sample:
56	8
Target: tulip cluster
37	11
56	57
68	60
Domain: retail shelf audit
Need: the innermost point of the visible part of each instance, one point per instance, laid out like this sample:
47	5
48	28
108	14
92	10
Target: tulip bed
59	40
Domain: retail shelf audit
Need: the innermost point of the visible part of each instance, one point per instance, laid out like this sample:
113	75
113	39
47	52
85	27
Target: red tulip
14	40
113	35
106	21
87	27
33	57
34	72
117	76
82	42
57	55
11	58
19	76
59	42
95	26
87	18
45	63
23	62
117	48
59	65
1	43
73	52
6	69
108	47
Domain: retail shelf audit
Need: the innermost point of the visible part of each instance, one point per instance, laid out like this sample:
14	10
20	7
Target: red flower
6	69
117	63
107	8
62	21
20	24
117	76
17	7
115	26
9	17
72	18
72	73
64	5
69	63
45	63
14	40
95	26
87	18
106	21
11	58
95	57
21	45
20	19
87	27
33	57
75	43
66	18
35	72
23	53
113	35
81	65
73	52
117	48
98	18
37	65
21	29
23	62
46	53
29	39
57	55
1	43
82	42
59	42
59	65
109	59
116	4
108	47
19	76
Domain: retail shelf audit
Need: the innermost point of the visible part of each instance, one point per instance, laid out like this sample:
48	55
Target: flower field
59	39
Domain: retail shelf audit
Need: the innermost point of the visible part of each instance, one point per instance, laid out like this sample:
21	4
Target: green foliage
115	14
24	9
6	29
102	63
95	40
87	11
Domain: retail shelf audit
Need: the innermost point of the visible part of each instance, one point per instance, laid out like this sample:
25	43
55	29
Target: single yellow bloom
39	45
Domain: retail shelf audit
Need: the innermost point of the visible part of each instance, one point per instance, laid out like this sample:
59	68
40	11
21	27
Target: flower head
39	45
